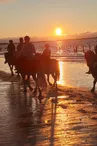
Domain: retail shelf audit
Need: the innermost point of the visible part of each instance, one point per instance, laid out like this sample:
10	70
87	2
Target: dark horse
49	67
10	60
91	59
37	66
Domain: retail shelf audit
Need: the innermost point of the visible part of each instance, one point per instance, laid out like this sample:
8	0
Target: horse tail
58	75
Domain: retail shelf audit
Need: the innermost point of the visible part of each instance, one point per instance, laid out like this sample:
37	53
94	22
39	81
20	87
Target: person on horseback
20	45
28	49
47	52
10	50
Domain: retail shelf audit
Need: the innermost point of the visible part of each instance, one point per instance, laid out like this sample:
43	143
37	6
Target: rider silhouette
20	45
47	52
28	49
10	49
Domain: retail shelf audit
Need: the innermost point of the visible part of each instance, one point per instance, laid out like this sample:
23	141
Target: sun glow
58	31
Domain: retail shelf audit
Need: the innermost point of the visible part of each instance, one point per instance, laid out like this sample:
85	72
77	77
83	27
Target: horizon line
83	38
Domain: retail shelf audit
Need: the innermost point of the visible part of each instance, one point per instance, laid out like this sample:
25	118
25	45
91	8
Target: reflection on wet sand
61	79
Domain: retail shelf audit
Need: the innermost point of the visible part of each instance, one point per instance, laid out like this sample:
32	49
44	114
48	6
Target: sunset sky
41	17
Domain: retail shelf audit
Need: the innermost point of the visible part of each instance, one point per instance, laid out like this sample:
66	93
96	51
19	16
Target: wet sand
67	117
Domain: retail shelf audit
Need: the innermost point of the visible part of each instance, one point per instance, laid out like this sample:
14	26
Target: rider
47	52
28	49
20	45
10	49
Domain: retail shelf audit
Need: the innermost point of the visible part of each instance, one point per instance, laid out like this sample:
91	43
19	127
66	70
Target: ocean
71	59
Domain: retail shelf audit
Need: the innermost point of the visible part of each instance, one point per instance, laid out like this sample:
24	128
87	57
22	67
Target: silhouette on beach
91	59
29	63
10	50
20	45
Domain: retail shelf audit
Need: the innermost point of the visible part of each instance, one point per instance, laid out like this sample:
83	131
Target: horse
50	67
91	60
10	61
37	67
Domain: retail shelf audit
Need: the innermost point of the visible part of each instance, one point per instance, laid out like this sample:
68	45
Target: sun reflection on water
61	79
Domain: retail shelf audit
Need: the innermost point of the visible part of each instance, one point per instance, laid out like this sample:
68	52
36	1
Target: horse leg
35	79
24	81
40	97
94	83
18	75
11	69
28	82
55	79
48	80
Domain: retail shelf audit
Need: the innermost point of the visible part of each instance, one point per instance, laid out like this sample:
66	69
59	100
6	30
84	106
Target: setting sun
58	31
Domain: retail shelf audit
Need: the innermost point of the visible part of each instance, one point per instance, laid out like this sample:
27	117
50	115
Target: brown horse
10	61
50	67
91	60
37	67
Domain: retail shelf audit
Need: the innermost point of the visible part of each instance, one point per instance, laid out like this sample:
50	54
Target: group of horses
36	67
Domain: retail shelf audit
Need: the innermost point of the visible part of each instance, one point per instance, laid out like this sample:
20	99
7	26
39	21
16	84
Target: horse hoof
50	84
12	75
40	98
54	100
34	93
18	76
31	89
25	90
92	90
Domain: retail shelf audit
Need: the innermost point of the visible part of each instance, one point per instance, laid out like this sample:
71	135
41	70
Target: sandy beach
67	117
